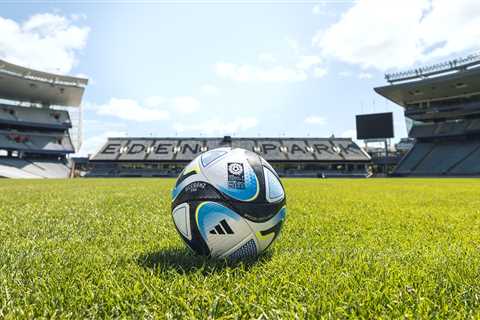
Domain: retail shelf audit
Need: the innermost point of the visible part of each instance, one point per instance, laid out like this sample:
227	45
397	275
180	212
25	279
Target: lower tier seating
442	158
33	169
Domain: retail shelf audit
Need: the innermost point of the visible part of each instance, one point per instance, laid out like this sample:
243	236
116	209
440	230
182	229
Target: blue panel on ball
210	156
179	188
208	214
275	189
247	191
281	215
249	249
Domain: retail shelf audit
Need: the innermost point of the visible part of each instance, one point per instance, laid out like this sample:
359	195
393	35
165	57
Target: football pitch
349	248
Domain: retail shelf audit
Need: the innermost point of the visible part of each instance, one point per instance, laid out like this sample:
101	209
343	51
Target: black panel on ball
256	164
197	243
257	212
195	191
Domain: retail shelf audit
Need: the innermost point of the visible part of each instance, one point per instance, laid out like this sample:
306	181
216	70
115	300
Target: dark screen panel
375	126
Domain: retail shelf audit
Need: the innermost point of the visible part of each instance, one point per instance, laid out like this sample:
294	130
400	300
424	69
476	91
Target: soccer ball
228	204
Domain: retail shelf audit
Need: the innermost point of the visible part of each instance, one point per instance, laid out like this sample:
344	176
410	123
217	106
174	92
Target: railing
439	68
26	73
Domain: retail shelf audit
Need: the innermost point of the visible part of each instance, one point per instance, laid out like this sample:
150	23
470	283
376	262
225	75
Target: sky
241	68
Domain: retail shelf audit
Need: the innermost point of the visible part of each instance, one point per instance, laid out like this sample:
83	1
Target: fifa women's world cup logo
236	176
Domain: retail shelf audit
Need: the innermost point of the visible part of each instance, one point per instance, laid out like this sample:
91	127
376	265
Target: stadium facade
442	110
166	157
37	131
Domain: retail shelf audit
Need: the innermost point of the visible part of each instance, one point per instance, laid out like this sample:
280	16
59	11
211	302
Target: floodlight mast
436	69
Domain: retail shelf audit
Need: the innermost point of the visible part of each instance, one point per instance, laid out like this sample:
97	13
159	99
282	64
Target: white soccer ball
228	203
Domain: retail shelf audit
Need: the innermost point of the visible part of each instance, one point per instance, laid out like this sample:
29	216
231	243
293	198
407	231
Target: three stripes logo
222	228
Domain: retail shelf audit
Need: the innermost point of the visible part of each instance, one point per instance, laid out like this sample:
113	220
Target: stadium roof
460	83
28	85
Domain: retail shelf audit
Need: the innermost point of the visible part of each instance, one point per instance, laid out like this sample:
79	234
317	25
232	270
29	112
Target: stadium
292	157
152	222
441	105
36	124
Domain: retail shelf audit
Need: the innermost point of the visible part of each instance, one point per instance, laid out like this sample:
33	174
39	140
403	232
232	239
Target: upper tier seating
36	142
423	130
34	117
451	128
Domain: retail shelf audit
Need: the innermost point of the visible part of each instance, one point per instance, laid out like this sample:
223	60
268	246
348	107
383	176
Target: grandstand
166	157
442	110
36	122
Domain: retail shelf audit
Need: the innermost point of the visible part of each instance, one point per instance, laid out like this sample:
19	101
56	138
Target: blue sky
229	67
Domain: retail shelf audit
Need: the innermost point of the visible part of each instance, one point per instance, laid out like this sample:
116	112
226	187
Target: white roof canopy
24	84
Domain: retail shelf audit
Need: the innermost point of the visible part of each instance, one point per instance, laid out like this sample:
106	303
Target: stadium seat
270	149
176	152
34	116
162	149
413	158
470	165
189	149
137	149
443	156
247	144
298	150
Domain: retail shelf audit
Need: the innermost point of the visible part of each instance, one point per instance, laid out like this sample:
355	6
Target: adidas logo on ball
222	228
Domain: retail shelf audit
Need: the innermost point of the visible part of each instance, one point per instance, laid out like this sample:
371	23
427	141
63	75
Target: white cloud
320	9
317	9
92	144
306	62
247	73
304	66
47	42
315	120
153	108
365	75
78	16
97	131
185	105
210	90
294	45
267	58
319	72
154	101
299	67
397	34
345	74
218	126
129	109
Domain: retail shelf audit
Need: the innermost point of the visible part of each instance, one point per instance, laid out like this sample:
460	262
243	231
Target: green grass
349	248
